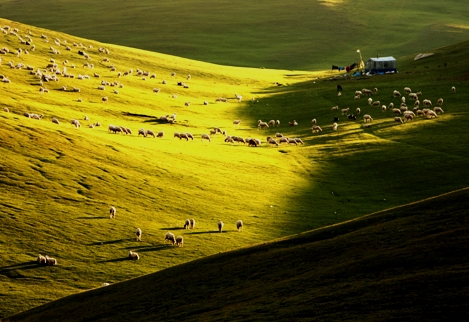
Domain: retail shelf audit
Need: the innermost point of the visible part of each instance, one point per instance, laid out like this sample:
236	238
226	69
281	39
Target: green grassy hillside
403	264
59	181
300	34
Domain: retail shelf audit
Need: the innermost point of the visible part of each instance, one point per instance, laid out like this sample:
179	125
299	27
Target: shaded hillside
300	34
404	264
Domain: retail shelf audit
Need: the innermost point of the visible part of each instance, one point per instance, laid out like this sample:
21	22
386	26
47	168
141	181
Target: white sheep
112	212
133	256
156	90
358	111
192	223
205	137
440	102
55	120
427	102
430	114
409	117
5	109
334	126
398	120
236	123
370	100
438	110
367	118
76	123
41	259
345	111
187	224
179	241
407	90
138	232
316	129
239	98
220	226
239	225
453	89
160	134
335	108
50	261
170	237
396	93
413	96
376	103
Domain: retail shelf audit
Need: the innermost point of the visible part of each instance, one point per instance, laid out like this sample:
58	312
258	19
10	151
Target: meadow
58	181
298	35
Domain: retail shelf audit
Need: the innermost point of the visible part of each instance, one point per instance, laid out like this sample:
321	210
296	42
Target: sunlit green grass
58	182
300	34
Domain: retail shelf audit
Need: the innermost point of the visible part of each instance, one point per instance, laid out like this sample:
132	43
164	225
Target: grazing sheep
104	99
105	284
370	100
391	106
156	90
41	259
334	126
403	99
345	110
5	109
220	226
396	111
407	90
440	102
383	108
205	103
367	118
138	232
453	89
336	119
112	212
192	223
375	90
187	224
271	123
271	141
262	125
170	237
142	132
55	120
277	123
408	117
358	111
239	98
187	103
76	123
398	120
50	261
313	121
430	114
427	102
376	103
417	103
205	137
335	108
396	94
438	110
239	225
179	241
151	133
237	122
133	256
413	96
160	134
221	99
420	113
316	129
339	94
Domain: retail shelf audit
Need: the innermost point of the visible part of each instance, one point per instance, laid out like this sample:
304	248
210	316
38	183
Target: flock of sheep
170	237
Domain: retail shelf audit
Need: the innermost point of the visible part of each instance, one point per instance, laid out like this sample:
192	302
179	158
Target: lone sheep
139	234
220	226
133	256
112	212
239	225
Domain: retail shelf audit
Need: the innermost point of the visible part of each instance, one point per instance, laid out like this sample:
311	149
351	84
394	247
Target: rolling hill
404	264
300	34
58	181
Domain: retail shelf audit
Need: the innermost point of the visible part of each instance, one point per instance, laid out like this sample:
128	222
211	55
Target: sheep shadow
206	232
151	248
122	259
107	217
173	228
25	265
110	242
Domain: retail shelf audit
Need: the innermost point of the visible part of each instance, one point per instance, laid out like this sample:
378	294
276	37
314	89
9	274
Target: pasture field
59	181
298	35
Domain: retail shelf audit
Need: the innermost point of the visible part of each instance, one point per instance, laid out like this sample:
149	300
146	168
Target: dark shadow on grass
173	228
29	264
206	232
107	217
122	259
148	248
109	242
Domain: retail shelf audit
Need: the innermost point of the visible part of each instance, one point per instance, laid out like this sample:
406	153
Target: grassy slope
300	34
404	264
58	182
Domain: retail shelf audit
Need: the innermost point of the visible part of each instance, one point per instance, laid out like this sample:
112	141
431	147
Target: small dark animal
336	119
252	142
352	117
80	52
339	88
